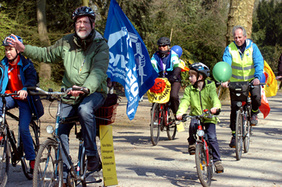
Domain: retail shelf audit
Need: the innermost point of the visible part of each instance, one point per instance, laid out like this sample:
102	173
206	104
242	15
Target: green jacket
85	61
199	100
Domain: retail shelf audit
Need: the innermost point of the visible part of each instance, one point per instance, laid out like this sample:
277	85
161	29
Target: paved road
140	164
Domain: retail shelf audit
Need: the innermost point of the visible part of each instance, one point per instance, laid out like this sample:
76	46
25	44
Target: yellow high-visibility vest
243	69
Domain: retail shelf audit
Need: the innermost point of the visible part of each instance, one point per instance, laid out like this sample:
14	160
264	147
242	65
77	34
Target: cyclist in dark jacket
18	73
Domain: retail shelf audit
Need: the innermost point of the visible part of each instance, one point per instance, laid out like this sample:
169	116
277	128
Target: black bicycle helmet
201	68
6	43
83	11
163	41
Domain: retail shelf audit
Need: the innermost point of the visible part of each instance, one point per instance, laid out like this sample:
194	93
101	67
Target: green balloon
222	71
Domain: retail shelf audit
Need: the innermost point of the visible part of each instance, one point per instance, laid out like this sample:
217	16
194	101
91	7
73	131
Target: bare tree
240	13
41	19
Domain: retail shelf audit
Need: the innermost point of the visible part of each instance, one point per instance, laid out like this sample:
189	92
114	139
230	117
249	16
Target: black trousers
174	98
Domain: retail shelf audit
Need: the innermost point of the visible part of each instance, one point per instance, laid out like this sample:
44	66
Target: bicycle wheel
171	126
204	170
155	125
247	134
33	129
239	135
4	159
48	169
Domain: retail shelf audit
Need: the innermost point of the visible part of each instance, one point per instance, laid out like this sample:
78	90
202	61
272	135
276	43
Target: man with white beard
85	55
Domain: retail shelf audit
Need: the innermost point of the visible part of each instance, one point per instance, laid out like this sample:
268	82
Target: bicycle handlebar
206	113
9	94
43	92
50	92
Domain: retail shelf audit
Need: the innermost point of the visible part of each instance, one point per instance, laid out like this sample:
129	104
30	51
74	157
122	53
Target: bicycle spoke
48	166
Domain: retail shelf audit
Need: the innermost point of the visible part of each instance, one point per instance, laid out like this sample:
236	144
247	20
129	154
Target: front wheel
155	125
48	169
33	129
171	126
239	134
4	159
204	169
247	136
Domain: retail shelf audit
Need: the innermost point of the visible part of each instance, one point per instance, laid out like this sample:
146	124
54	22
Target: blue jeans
211	132
85	111
25	115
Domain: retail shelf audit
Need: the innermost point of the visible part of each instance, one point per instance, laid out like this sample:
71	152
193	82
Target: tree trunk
85	2
41	19
240	13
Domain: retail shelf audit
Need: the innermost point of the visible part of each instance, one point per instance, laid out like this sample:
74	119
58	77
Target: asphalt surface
140	164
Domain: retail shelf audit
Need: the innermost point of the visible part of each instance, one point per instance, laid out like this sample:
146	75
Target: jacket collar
83	44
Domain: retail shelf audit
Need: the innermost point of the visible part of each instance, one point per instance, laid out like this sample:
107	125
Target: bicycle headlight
239	104
200	133
49	129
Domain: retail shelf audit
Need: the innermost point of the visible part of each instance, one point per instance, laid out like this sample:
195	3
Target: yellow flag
270	87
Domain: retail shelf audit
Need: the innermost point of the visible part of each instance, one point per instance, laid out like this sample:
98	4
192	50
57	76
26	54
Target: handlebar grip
78	88
184	117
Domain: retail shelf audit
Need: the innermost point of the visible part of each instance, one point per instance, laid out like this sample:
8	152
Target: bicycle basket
106	114
239	91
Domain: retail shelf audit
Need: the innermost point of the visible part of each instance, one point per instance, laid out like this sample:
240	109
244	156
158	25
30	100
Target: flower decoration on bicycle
160	92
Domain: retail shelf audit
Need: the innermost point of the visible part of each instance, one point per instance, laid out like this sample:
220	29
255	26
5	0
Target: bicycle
203	153
240	93
162	117
48	169
10	148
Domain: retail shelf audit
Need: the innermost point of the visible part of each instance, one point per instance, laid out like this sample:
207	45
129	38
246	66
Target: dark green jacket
85	61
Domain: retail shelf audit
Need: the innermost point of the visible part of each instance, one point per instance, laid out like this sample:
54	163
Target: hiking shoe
254	120
232	142
93	163
218	167
192	149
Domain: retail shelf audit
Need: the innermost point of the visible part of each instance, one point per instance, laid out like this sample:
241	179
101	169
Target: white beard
83	34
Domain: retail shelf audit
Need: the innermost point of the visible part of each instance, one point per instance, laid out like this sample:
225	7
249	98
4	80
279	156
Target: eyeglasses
162	45
78	23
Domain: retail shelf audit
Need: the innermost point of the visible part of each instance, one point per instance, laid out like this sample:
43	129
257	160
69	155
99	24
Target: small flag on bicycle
130	63
270	82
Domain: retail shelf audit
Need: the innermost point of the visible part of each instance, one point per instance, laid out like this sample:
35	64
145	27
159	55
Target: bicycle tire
239	135
33	128
247	135
83	166
4	160
48	169
155	126
204	170
171	128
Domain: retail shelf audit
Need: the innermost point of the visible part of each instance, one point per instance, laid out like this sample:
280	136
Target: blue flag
130	63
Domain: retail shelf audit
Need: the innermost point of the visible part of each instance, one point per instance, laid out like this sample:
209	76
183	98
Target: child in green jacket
200	95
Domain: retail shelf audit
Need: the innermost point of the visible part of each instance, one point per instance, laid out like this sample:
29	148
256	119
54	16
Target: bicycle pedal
219	171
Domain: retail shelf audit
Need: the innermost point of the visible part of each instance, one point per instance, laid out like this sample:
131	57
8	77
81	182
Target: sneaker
93	163
218	167
232	142
254	120
192	149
